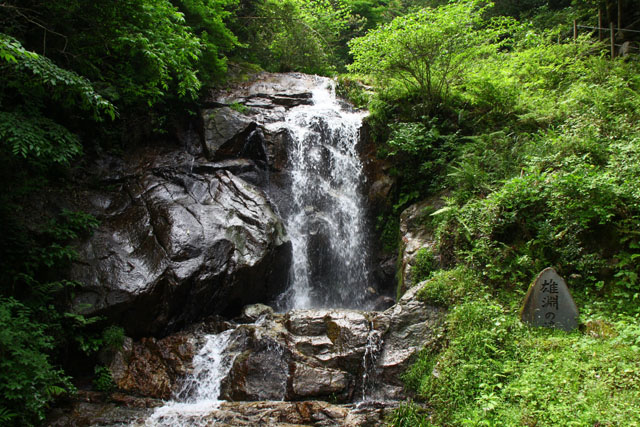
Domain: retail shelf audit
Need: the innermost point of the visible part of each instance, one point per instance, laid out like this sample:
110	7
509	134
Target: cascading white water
325	220
371	351
201	390
326	217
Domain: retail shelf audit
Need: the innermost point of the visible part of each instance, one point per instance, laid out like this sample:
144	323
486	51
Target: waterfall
371	352
201	389
325	220
325	216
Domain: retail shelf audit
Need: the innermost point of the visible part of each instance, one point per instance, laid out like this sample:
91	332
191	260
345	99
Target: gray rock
150	367
310	382
334	355
225	132
411	325
549	303
308	354
173	247
290	414
265	87
252	313
83	412
415	236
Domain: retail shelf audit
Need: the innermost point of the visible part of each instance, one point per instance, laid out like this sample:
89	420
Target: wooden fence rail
600	28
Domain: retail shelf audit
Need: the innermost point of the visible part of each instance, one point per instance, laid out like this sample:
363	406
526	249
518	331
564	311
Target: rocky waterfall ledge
304	367
190	239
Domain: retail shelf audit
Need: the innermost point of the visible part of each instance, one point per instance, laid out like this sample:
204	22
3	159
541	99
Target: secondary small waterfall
325	218
201	390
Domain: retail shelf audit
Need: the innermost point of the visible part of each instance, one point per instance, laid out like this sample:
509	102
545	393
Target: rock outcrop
334	355
152	367
284	368
120	412
416	235
185	234
176	242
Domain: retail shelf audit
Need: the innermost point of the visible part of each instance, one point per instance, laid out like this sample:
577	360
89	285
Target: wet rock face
412	325
176	243
332	355
227	135
241	122
240	133
309	413
152	367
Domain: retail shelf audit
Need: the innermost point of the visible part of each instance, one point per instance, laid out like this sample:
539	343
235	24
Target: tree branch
38	23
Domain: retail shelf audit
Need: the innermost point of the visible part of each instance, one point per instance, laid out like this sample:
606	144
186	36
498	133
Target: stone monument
548	303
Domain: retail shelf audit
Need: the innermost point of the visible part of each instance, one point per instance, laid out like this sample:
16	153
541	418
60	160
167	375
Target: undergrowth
538	149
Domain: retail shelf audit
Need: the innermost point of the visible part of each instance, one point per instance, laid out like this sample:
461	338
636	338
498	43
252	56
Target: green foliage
387	227
422	151
536	146
31	80
240	108
296	35
428	51
353	91
496	371
207	19
37	138
449	288
424	264
28	380
113	337
35	330
408	415
31	73
540	167
151	50
103	381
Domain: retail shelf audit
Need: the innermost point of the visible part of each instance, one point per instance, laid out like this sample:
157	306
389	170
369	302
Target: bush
424	264
103	381
428	51
408	415
113	337
452	287
28	380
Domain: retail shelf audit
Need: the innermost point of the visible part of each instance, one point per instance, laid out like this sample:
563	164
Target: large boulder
226	133
176	243
236	123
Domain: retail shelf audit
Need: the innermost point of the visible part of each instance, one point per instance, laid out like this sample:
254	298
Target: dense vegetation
531	137
534	146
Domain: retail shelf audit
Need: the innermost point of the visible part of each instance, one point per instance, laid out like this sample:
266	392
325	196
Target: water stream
325	219
201	390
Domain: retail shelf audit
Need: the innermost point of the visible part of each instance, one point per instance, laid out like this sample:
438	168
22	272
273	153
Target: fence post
619	15
613	41
575	30
599	24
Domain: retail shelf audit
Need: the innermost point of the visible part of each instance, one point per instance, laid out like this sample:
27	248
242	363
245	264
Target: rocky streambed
319	367
195	239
